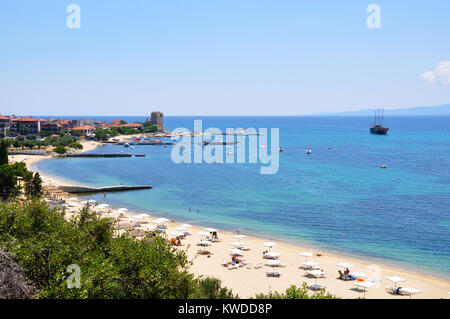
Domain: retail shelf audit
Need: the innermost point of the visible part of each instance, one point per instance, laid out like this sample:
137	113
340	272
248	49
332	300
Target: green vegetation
3	152
294	292
44	244
148	127
9	175
60	149
75	145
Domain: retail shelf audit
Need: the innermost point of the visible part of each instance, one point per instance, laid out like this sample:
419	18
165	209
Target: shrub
294	292
76	145
60	149
211	288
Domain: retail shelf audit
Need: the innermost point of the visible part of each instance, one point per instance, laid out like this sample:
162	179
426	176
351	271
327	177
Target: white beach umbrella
236	251
101	206
186	225
273	263
89	201
204	243
237	244
211	229
345	265
238	237
141	216
410	291
358	274
270	244
180	228
364	285
160	220
272	254
395	280
305	254
203	233
122	209
177	234
316	286
151	227
310	265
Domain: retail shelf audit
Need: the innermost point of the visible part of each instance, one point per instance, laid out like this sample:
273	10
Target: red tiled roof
126	125
82	128
26	119
4	117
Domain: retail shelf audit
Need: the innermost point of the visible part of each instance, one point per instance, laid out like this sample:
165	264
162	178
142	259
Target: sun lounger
273	274
403	291
316	287
257	266
316	273
245	248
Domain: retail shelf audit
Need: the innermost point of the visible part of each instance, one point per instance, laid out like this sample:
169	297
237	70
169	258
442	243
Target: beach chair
245	248
273	274
257	266
316	273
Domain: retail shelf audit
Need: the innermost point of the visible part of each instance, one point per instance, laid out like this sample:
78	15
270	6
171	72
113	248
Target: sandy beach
249	280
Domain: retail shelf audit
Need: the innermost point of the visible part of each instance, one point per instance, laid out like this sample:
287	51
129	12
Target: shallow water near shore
337	198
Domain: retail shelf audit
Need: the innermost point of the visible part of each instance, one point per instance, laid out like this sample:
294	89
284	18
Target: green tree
33	185
3	152
100	133
8	182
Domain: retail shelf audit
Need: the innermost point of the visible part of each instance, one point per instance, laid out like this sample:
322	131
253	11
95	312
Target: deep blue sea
337	198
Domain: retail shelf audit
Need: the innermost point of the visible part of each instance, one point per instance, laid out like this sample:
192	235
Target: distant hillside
414	111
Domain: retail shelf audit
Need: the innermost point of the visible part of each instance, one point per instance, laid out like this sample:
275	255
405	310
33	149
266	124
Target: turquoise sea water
337	198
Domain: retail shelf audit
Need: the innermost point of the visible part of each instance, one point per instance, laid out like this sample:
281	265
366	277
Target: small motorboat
308	151
383	166
139	155
280	149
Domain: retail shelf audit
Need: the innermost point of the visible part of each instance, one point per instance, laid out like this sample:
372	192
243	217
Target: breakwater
88	189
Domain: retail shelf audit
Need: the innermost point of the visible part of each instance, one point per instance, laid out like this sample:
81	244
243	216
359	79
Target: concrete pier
100	155
87	189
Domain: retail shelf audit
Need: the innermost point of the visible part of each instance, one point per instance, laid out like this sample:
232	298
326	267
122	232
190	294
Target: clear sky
221	57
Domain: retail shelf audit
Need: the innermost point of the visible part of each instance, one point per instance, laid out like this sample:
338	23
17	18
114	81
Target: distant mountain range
414	111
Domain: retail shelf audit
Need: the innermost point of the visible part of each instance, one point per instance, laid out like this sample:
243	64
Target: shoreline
432	286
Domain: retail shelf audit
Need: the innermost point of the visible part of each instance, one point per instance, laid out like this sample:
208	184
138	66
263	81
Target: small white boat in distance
308	151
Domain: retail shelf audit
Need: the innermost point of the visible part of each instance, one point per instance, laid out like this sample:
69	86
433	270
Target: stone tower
157	119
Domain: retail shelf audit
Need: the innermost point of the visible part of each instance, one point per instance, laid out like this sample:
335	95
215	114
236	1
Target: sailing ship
377	127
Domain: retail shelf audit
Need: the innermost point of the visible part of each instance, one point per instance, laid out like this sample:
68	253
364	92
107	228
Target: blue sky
204	57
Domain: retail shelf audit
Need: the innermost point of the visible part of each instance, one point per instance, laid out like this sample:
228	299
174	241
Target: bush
294	292
60	149
75	145
211	288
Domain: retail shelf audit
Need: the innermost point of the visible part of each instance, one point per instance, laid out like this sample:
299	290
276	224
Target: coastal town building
84	130
51	126
5	124
25	125
157	119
